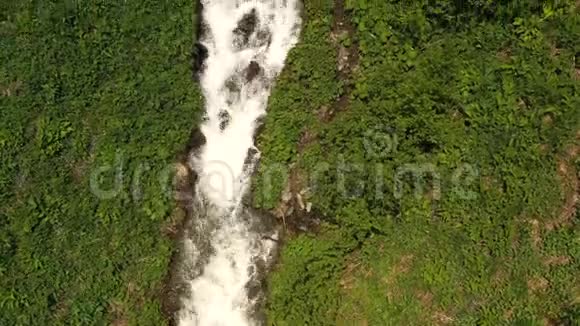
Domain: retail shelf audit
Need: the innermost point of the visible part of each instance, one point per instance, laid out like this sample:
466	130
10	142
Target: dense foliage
443	163
482	98
100	90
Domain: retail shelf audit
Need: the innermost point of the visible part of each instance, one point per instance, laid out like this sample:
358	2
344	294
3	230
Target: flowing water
226	247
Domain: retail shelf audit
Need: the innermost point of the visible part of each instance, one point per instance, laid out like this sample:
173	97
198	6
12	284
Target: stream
227	247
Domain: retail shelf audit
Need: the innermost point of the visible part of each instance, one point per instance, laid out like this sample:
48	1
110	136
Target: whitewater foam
247	43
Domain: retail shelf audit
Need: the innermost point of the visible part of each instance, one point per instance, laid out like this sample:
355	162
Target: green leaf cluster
89	89
486	94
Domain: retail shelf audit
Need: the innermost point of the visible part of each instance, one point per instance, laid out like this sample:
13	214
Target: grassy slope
85	86
494	88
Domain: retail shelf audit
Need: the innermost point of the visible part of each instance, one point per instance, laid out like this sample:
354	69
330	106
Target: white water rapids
247	43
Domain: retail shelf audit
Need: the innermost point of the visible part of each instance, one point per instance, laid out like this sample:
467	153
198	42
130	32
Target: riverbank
96	101
445	187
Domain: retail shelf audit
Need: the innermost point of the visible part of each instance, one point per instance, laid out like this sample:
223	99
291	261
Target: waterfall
247	43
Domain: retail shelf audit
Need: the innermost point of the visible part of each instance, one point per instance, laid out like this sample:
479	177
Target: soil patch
343	36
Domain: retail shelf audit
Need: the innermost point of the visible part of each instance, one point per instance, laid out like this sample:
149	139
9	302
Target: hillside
443	166
96	102
422	158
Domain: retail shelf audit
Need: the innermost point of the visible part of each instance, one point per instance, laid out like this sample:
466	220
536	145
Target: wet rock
264	37
252	71
286	196
343	58
259	128
231	85
196	140
199	54
233	90
300	201
303	228
245	28
252	155
224	118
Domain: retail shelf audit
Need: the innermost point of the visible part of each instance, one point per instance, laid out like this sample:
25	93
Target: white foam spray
243	60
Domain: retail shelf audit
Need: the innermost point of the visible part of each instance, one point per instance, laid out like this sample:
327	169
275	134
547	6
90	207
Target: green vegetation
481	97
86	85
486	94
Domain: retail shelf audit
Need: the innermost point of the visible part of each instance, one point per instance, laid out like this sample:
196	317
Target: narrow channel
226	247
